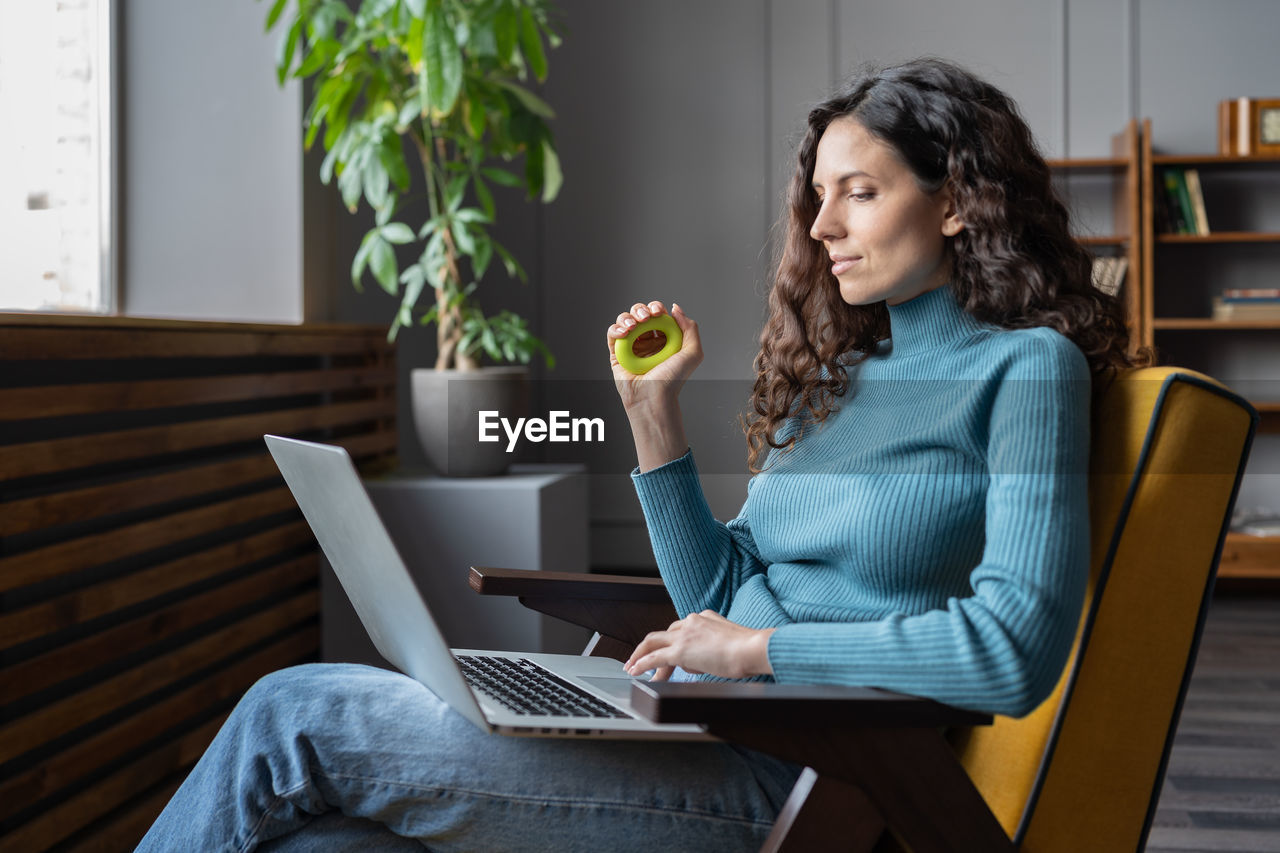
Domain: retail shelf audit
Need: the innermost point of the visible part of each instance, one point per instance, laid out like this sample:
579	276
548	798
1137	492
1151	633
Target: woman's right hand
661	385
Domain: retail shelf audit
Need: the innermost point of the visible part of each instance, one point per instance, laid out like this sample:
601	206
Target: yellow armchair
1084	770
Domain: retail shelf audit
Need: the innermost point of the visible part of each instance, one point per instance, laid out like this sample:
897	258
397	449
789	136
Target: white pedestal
533	518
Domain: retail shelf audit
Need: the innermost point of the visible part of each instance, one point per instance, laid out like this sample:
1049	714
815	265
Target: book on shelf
1235	137
1178	203
1247	304
1108	273
1183	200
1227	129
1196	195
1244	129
1251	293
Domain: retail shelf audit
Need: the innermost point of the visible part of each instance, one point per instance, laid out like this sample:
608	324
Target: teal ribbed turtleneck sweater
930	537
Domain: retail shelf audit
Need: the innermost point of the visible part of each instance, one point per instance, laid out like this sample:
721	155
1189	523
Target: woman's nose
825	225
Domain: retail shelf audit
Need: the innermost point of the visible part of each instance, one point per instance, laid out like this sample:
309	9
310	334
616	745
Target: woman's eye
862	196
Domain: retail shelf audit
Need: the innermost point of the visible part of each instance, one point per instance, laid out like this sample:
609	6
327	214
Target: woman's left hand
701	643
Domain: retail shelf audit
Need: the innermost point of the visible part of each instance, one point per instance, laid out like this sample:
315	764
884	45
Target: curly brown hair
1014	264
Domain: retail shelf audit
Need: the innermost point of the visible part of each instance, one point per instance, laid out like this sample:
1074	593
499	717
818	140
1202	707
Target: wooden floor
1222	789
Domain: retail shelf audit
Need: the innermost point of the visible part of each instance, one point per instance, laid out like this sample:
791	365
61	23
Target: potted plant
417	99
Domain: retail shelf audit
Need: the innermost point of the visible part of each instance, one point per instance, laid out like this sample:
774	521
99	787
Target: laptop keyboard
522	686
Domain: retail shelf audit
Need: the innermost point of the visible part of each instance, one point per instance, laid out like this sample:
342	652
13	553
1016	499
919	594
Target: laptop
509	693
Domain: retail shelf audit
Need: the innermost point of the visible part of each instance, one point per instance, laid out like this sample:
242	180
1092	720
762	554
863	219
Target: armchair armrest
620	609
526	583
803	705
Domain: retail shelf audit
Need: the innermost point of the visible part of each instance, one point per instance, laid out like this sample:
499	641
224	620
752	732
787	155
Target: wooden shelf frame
1124	168
1208	324
1222	237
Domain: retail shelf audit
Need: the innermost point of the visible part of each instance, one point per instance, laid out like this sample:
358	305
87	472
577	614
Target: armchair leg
824	813
910	777
605	646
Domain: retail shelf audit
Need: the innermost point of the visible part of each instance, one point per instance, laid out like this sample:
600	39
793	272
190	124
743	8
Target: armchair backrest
1084	770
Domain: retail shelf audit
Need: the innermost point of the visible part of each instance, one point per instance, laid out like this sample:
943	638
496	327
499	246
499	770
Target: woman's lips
841	264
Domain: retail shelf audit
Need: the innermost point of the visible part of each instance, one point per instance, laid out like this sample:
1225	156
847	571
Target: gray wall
211	165
676	122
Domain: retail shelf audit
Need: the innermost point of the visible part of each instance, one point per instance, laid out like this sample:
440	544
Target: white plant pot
446	415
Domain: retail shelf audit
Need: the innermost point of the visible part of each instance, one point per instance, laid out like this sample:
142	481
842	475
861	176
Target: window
56	193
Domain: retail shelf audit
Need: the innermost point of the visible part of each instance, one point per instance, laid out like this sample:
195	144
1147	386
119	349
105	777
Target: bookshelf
1118	180
1180	274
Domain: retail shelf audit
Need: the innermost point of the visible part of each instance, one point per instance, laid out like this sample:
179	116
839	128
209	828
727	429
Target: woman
919	429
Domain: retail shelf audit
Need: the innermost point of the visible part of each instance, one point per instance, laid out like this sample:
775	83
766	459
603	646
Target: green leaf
501	177
409	113
414	39
490	343
398	233
288	47
382	260
362	258
432	314
486	198
326	168
506	23
382	215
514	270
431	226
552	177
455	192
376	182
349	184
392	155
531	44
462	236
313	62
274	14
477	117
482	255
470	215
417	8
414	281
442	59
527	99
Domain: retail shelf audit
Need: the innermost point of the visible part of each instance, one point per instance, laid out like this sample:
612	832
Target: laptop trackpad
617	688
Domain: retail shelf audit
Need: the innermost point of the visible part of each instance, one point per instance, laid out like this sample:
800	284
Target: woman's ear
951	222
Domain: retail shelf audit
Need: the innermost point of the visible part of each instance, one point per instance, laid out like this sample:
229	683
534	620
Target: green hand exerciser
638	364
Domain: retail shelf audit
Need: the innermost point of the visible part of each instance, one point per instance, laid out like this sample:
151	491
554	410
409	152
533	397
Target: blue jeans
335	757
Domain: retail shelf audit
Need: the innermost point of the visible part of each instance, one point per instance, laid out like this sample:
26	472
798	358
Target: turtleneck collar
928	321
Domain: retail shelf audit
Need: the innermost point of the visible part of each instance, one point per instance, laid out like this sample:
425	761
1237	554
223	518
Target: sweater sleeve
703	561
1001	649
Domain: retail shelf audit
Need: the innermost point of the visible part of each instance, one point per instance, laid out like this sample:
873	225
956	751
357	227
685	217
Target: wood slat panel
66	454
98	750
97	600
82	656
24	516
157	450
48	401
382	442
75	555
120	787
126	824
64	715
44	511
43	344
66	818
